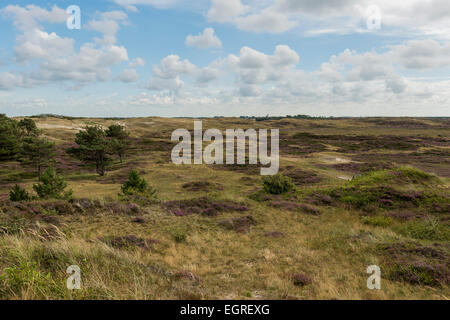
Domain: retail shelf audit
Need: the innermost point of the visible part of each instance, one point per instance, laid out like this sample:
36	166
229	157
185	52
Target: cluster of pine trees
22	141
96	145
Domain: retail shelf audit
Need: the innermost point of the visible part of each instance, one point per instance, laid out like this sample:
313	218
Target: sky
176	58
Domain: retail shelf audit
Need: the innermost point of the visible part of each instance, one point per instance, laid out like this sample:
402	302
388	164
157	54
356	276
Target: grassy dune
369	192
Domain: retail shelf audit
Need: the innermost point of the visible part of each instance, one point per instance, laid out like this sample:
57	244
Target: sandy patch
333	159
56	126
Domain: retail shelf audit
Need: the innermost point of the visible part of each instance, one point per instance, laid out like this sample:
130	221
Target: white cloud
38	103
145	99
226	11
108	25
137	62
54	58
266	21
28	17
208	74
171	67
158	84
204	40
9	81
129	75
253	67
422	54
131	4
36	44
261	79
339	16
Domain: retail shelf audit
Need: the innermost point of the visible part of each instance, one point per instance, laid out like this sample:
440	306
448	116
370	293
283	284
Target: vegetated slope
214	234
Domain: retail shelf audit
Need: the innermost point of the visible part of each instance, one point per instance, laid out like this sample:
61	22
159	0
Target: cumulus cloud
252	76
30	16
54	57
131	4
108	25
137	62
204	40
167	75
226	11
157	84
171	67
9	81
422	54
129	75
255	67
36	44
339	16
208	74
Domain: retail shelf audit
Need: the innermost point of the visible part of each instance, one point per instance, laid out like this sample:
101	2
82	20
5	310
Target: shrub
18	194
203	205
416	263
52	186
429	229
278	184
379	221
137	185
301	279
24	277
179	236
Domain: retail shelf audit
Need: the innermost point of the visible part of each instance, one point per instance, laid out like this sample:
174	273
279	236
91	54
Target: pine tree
93	147
9	138
134	184
37	152
119	139
52	185
18	194
28	127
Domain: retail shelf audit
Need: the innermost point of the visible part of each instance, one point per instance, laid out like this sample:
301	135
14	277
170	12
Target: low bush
379	221
278	184
18	194
428	229
205	206
179	235
416	263
135	185
52	186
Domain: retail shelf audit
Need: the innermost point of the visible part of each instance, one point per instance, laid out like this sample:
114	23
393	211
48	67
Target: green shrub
430	229
379	221
18	194
277	184
135	185
52	186
25	276
404	175
179	236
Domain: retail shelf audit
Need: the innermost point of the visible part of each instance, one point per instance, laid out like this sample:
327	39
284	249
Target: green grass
379	221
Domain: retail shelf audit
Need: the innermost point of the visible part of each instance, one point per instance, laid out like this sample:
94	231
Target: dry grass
196	257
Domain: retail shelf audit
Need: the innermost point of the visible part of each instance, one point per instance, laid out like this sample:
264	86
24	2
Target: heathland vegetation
104	195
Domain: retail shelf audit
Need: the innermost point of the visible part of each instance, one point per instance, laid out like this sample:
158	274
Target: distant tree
37	152
28	127
93	147
119	139
52	185
9	138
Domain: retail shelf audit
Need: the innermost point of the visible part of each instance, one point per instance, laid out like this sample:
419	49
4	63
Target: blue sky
226	57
